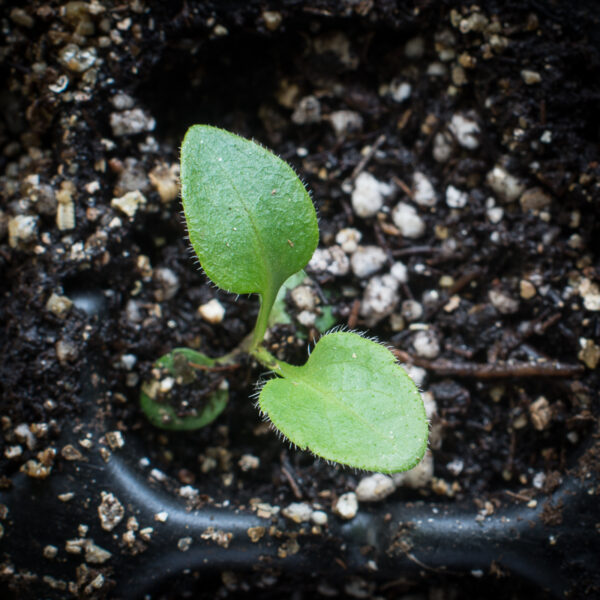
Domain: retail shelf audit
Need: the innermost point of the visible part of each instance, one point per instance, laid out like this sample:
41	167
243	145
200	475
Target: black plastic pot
418	541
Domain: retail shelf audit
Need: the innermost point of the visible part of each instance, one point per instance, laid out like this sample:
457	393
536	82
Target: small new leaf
351	403
183	396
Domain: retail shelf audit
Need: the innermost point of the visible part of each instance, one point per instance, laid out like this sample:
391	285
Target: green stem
266	304
265	358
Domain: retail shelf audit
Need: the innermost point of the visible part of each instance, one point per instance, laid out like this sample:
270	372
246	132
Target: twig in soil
511	341
463	281
415	250
402	186
499	370
287	471
364	161
521	497
353	317
320	293
383	243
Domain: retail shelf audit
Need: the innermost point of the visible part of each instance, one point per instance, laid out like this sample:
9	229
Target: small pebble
345	122
530	77
436	69
534	199
590	292
538	480
59	305
507	186
348	239
131	122
419	476
66	351
21	17
367	260
400	91
272	19
122	101
589	353
77	59
474	22
127	361
459	77
114	439
399	272
298	512
330	260
379	299
248	462
308	111
184	544
465	130
304	297
95	554
503	302
415	47
129	203
408	221
455	198
306	318
429	297
495	214
374	488
13	452
346	506
212	312
110	511
22	229
527	289
368	195
455	466
165	180
426	344
423	194
319	517
442	147
50	552
412	310
24	435
132	178
339	44
168	284
417	374
540	413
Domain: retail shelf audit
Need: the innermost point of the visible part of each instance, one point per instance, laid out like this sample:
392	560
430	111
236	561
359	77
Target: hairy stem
266	359
262	321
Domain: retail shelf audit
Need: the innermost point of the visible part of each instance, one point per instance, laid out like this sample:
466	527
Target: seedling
253	225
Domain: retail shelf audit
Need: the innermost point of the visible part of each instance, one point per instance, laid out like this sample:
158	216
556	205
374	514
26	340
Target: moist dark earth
451	151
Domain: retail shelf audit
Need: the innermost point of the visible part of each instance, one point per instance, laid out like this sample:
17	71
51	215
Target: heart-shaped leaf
184	394
351	403
250	220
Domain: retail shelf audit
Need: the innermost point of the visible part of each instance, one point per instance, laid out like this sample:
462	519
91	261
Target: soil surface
452	154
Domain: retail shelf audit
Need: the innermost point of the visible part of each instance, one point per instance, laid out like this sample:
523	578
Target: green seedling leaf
185	394
250	220
325	321
351	403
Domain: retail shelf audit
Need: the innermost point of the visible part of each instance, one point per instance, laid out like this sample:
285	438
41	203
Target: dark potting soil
484	120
